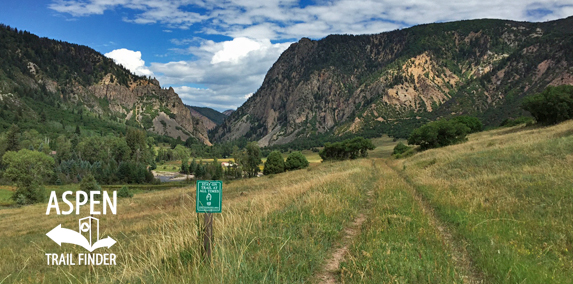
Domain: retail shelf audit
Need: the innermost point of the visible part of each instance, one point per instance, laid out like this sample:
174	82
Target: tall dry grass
157	232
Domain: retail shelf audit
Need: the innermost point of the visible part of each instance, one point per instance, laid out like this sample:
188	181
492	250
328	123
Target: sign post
209	200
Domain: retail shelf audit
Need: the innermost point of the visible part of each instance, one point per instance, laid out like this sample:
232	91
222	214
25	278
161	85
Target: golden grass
151	227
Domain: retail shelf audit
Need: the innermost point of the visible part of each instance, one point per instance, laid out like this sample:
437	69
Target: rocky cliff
392	82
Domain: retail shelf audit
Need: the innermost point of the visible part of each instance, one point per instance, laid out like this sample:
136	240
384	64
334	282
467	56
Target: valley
440	216
428	153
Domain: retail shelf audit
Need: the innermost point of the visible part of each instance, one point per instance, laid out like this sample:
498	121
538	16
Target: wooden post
208	235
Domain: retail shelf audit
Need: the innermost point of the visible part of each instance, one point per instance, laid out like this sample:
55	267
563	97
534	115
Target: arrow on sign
107	242
62	235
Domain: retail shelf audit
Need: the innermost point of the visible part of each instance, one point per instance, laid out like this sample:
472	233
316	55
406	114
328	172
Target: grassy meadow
495	209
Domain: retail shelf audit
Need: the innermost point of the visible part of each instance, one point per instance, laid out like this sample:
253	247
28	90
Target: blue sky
216	53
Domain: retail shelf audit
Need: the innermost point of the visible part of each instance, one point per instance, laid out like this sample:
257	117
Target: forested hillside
51	86
210	117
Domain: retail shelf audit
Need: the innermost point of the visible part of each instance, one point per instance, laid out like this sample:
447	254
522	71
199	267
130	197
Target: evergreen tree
89	184
184	168
13	138
252	159
193	167
295	161
274	164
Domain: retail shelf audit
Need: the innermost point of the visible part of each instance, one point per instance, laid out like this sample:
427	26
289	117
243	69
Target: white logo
92	242
87	235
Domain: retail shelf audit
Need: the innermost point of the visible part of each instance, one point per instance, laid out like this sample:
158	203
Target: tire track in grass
460	256
328	273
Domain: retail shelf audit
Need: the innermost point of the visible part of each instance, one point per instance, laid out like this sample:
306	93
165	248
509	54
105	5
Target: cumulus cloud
131	60
285	19
229	72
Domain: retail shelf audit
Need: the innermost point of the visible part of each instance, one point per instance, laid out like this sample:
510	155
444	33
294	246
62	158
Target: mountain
51	81
210	117
395	81
228	112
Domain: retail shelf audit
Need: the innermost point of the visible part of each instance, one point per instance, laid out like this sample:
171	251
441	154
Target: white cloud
230	71
131	60
237	49
284	19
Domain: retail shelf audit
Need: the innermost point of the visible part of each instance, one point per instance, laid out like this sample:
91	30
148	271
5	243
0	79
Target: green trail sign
209	196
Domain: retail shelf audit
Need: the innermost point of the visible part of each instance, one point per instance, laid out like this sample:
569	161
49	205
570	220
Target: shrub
295	161
473	123
553	105
439	133
124	192
274	164
27	169
400	148
88	184
411	151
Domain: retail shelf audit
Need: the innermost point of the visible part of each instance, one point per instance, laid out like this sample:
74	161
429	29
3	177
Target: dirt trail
329	270
467	271
327	274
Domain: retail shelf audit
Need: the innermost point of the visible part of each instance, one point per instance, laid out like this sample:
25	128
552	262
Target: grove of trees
347	149
439	133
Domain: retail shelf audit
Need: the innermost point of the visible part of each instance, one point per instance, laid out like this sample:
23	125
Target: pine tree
193	167
13	139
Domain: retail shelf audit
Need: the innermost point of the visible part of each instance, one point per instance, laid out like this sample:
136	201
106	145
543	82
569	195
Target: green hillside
213	115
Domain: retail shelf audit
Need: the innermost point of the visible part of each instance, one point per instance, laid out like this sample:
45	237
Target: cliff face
392	82
146	101
79	77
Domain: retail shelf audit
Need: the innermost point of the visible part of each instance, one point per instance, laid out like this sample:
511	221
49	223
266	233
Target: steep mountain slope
228	112
72	78
210	117
392	82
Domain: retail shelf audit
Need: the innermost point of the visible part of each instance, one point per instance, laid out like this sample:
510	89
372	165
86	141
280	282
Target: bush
124	192
439	133
27	169
274	164
400	148
553	105
88	184
295	161
473	123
